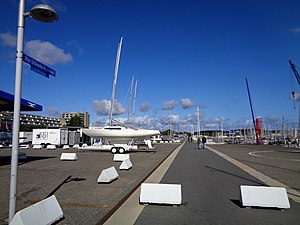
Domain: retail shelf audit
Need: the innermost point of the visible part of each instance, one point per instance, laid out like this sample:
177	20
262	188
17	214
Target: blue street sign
38	70
38	67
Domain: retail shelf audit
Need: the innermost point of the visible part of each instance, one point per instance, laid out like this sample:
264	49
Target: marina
210	184
189	150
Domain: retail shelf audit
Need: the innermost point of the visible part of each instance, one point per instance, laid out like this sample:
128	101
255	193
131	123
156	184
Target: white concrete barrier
161	193
66	147
76	146
37	146
51	147
120	157
274	197
68	156
108	175
44	212
24	146
126	165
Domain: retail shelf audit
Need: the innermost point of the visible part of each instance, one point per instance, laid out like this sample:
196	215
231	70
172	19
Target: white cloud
167	105
214	123
144	107
296	30
271	120
99	122
102	107
47	53
76	45
186	103
8	39
53	112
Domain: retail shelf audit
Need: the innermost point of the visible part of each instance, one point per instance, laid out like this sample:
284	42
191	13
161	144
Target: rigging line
126	96
128	53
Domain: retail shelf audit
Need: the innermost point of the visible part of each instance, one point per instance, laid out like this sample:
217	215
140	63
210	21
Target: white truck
25	137
57	137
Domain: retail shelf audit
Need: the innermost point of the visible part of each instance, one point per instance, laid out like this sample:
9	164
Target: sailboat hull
118	132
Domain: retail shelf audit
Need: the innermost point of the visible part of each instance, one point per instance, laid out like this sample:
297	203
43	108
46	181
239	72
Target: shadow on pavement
231	174
65	181
6	160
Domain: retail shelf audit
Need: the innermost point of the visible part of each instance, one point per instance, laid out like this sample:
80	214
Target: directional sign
38	70
38	67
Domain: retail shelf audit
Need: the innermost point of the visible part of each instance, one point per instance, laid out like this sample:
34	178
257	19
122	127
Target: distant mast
134	100
115	81
253	119
130	98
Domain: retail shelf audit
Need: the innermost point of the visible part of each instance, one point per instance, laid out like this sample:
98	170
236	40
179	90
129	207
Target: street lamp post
43	13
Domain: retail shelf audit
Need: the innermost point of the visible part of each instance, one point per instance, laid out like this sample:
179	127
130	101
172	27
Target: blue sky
184	54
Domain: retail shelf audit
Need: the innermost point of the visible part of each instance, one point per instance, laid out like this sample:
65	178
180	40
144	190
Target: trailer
113	148
44	137
74	138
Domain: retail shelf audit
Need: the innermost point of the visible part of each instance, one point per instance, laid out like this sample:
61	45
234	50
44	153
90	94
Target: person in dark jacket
199	142
203	142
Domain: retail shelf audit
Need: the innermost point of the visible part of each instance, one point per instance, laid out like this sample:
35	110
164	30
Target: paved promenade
210	180
210	186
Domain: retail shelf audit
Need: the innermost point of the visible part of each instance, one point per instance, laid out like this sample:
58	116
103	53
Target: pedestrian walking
204	142
199	142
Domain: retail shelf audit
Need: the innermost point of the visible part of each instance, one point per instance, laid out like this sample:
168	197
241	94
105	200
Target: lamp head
43	13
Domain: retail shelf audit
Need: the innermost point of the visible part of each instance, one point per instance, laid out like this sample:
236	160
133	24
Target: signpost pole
41	13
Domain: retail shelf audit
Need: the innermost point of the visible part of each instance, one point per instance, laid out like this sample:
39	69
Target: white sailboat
118	133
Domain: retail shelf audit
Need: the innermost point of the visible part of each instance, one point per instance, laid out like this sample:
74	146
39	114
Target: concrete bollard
120	157
68	156
126	165
37	146
44	212
52	147
161	193
259	196
108	175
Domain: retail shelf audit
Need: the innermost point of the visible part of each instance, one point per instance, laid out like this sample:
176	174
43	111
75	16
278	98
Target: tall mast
250	102
115	81
134	99
295	71
130	98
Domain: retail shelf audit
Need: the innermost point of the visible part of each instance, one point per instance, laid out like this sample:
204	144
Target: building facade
66	116
6	120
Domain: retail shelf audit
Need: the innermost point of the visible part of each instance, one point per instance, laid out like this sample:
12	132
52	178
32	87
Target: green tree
75	121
